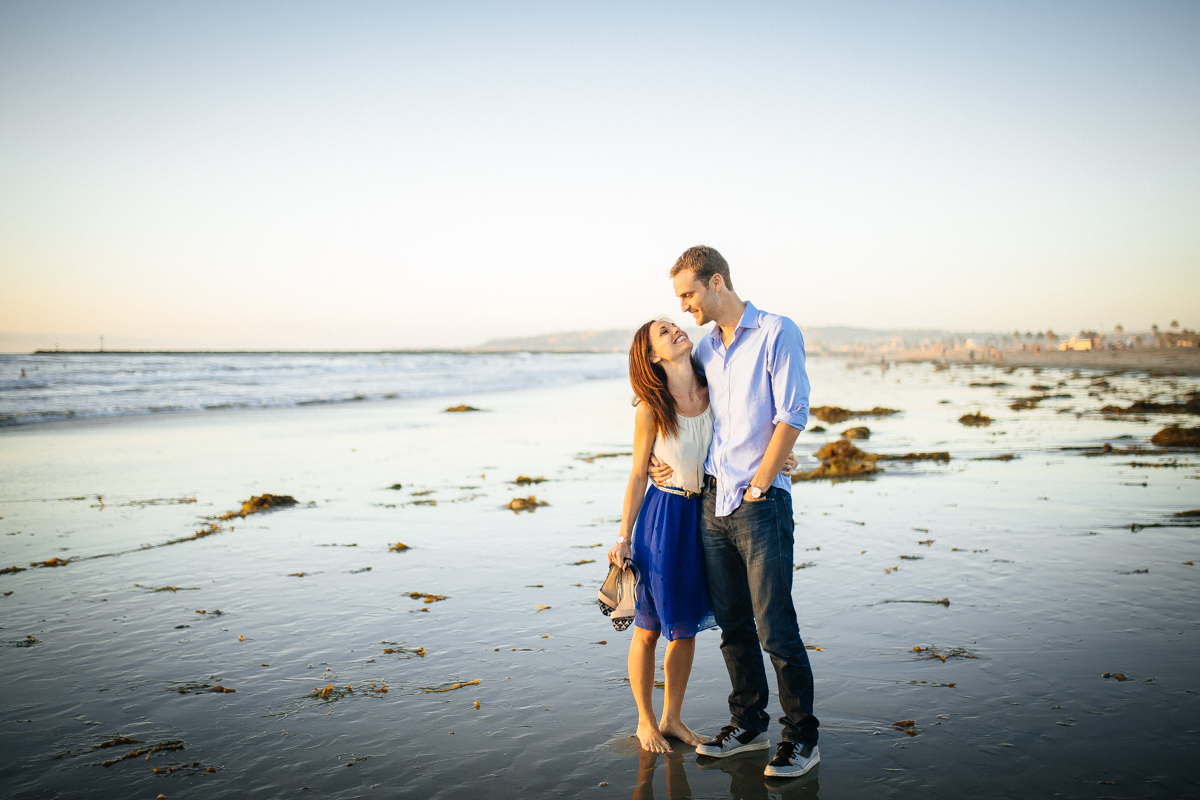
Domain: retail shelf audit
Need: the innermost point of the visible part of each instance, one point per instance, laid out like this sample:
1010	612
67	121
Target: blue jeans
748	557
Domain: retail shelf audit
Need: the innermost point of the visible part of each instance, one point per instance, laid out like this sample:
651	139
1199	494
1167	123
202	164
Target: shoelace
786	751
726	733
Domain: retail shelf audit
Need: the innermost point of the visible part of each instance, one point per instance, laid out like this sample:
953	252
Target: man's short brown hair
704	262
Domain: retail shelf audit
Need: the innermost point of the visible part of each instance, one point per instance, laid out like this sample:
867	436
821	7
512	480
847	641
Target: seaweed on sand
163	501
404	652
860	432
263	502
1189	405
840	460
201	688
591	458
212	528
939	456
976	420
53	562
832	415
427	597
1177	436
451	686
459	409
943	654
525	480
161	747
519	504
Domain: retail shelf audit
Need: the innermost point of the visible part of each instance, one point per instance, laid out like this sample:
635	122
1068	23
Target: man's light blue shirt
755	383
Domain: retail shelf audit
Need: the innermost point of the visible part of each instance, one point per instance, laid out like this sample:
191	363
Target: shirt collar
749	320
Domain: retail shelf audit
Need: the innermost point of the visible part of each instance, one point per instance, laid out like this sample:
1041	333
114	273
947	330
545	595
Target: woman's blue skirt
672	595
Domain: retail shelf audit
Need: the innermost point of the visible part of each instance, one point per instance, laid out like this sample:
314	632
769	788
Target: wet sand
1035	555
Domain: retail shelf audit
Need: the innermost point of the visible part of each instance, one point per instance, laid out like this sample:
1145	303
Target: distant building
1075	344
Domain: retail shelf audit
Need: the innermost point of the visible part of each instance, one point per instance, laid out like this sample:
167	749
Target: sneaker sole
776	772
746	748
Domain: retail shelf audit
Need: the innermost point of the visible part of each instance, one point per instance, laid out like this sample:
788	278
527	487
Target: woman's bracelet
621	540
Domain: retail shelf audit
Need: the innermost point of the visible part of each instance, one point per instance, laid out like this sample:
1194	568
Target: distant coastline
1147	350
1163	360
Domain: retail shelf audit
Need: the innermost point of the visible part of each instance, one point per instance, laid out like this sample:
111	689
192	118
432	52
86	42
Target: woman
674	424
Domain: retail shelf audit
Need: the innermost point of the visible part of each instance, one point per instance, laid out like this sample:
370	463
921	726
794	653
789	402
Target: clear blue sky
365	175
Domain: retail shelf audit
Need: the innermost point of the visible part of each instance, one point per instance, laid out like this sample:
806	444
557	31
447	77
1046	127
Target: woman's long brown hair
649	381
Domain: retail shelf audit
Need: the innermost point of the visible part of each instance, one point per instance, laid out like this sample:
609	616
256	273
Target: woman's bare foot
652	739
680	731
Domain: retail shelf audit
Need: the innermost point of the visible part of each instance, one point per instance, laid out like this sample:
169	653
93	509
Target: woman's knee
681	644
645	638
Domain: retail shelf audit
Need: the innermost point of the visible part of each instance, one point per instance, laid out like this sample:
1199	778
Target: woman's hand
620	554
789	464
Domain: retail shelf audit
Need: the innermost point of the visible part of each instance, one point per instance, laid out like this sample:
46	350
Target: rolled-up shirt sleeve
789	378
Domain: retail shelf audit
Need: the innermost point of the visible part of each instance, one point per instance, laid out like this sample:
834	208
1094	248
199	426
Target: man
758	388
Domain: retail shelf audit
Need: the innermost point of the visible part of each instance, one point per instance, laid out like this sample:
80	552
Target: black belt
710	482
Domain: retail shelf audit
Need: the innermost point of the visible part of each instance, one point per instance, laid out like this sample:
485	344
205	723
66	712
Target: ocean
47	387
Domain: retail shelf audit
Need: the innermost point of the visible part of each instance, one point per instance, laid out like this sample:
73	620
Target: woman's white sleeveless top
687	451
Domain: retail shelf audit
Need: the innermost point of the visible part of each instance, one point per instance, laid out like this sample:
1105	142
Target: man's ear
716	283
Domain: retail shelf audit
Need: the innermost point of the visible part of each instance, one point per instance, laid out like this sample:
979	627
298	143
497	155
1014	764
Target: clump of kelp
263	502
1190	404
841	460
832	415
1177	436
403	652
976	420
201	688
332	692
426	596
525	480
519	504
942	653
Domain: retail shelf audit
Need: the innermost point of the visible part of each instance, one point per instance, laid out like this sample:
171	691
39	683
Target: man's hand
659	472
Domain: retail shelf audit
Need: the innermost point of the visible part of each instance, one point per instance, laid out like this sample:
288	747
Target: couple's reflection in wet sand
745	771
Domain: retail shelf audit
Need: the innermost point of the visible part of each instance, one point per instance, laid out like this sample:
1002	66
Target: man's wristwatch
756	492
621	540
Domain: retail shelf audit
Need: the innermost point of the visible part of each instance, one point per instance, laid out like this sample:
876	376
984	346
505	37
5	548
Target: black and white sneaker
733	739
791	760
